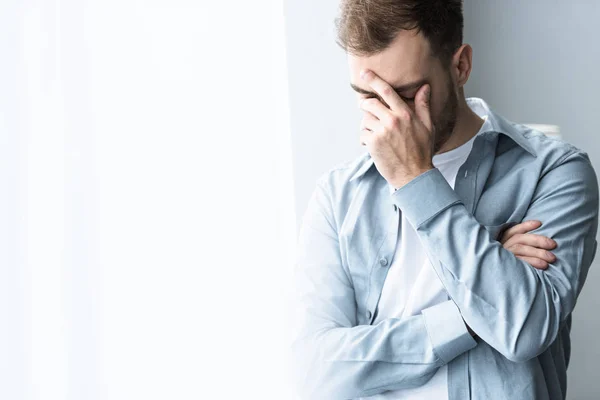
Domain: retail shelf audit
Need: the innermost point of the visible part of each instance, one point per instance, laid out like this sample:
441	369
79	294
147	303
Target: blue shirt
521	315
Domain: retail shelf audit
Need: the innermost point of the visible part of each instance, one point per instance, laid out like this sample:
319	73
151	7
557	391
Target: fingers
365	138
535	262
368	125
385	91
366	128
369	122
523	227
422	108
529	247
529	251
376	108
531	239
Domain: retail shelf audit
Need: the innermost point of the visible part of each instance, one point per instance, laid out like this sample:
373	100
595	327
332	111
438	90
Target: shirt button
383	262
368	314
395	207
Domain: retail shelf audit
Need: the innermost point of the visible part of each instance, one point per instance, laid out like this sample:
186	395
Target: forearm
516	309
364	360
334	356
511	306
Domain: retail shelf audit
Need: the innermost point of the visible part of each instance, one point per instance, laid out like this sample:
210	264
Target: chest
498	197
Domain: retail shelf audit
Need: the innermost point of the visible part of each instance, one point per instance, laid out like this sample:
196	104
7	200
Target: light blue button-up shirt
521	315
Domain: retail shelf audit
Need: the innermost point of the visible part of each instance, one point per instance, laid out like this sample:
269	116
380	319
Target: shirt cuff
424	197
447	330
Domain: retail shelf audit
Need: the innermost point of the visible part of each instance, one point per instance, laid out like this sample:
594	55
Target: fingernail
364	73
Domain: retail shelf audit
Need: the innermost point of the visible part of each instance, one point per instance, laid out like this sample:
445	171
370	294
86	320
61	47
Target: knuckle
405	115
539	253
520	237
518	247
510	232
387	91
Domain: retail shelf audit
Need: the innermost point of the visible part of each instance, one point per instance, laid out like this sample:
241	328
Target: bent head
409	43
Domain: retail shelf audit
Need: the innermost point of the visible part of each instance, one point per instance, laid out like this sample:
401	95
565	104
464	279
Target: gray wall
538	62
534	63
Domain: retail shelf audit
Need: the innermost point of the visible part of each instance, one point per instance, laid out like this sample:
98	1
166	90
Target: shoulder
549	152
338	187
562	158
550	149
563	167
340	175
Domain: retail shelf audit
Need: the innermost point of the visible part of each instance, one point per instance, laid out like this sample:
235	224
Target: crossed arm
516	309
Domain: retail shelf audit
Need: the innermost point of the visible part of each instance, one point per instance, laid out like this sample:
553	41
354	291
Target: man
418	276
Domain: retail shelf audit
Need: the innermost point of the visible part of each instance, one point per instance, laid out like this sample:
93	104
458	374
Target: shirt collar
497	124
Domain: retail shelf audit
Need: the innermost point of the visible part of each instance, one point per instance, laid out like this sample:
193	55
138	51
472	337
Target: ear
462	63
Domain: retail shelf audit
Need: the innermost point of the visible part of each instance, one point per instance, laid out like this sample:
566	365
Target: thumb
422	106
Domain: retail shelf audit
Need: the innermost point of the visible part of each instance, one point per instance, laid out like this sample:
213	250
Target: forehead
407	59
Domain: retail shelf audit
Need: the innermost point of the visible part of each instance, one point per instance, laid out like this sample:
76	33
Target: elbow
310	377
312	384
535	331
529	345
302	375
521	356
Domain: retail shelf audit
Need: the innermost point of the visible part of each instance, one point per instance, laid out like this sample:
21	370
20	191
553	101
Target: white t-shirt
412	285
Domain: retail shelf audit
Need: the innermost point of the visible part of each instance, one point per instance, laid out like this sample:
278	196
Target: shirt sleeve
512	306
335	358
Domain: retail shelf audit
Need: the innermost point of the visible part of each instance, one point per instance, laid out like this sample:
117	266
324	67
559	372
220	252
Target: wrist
402	180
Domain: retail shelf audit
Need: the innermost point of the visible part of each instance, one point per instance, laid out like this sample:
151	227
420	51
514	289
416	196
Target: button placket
379	275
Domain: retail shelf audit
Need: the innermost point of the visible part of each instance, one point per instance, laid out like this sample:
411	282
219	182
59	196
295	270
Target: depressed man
446	261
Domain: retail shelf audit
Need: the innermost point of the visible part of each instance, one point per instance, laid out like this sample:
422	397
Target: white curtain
146	207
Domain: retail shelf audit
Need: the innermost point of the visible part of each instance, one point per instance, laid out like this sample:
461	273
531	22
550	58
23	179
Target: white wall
535	62
325	121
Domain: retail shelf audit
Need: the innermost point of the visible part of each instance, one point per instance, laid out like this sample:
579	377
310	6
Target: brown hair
366	27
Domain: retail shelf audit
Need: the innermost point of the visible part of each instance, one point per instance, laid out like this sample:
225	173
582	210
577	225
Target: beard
445	123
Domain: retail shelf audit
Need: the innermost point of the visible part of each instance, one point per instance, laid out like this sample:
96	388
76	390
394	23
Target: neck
467	125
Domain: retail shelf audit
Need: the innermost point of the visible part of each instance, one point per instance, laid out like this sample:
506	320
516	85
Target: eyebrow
398	89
